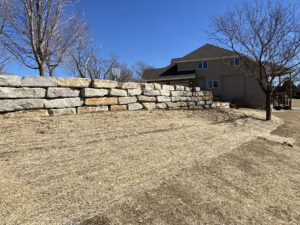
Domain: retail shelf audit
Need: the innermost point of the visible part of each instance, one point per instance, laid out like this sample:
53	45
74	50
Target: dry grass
256	183
71	168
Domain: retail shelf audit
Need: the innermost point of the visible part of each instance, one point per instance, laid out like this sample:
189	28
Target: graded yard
160	167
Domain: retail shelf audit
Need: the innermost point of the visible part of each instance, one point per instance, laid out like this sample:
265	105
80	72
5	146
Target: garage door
232	87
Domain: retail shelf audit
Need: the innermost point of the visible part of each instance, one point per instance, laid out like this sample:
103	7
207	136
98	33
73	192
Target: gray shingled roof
205	52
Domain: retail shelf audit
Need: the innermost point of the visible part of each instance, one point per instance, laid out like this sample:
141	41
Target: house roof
206	52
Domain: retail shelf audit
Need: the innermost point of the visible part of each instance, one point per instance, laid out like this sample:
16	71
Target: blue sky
153	31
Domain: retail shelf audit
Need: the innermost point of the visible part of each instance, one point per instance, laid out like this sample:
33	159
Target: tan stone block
73	82
100	101
143	98
118	107
157	86
149	105
131	85
105	84
27	113
86	109
182	104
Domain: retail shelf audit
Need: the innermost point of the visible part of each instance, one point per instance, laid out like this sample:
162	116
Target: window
201	84
202	65
212	84
234	61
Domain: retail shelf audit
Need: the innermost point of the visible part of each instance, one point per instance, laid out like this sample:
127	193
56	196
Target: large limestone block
161	105
176	93
93	92
90	109
63	103
146	86
34	81
104	84
182	104
59	112
20	104
133	92
131	85
175	99
100	101
198	93
143	98
157	86
10	92
165	93
168	87
179	88
127	100
135	106
118	92
118	107
10	81
151	92
62	92
149	105
74	82
187	89
163	99
27	113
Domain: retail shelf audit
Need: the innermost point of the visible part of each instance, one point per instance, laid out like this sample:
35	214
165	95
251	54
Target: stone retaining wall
43	96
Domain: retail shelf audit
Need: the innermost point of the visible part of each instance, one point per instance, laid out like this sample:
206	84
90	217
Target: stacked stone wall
44	96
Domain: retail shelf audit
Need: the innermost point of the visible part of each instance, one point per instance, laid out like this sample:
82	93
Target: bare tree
139	67
126	73
39	31
266	37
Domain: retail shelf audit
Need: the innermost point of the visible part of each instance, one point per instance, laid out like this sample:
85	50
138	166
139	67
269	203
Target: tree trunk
42	69
268	106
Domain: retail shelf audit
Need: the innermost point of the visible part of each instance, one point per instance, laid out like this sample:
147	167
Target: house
211	68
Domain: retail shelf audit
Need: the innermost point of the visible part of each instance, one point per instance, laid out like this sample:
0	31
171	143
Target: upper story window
202	65
234	61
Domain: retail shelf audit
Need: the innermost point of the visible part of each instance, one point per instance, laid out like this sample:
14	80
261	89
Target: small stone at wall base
20	104
172	105
35	81
62	92
100	101
135	106
104	84
73	82
59	112
161	105
10	81
149	105
182	104
93	92
86	109
118	107
27	113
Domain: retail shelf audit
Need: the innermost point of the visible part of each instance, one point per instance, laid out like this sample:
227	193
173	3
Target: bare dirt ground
162	167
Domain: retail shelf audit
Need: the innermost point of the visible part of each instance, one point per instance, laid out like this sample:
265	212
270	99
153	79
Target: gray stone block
93	92
20	104
63	103
133	92
165	93
168	87
10	92
10	81
135	106
163	99
149	105
146	86
161	105
118	92
151	92
62	92
130	85
34	81
179	88
143	98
